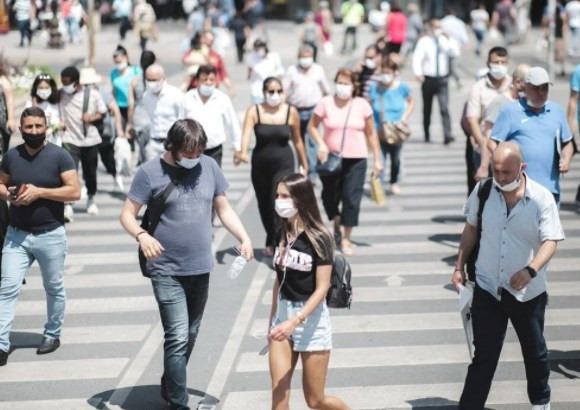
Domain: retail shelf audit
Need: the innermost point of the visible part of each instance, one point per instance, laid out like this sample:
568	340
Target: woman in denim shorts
300	322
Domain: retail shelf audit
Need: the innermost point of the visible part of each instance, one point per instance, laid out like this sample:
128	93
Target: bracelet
459	270
137	236
301	317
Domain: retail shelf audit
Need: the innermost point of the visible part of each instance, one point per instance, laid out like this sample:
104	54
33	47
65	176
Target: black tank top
272	134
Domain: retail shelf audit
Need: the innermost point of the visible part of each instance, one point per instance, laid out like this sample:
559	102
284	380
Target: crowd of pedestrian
305	130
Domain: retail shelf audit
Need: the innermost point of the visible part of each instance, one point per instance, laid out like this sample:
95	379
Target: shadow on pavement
142	397
565	363
24	340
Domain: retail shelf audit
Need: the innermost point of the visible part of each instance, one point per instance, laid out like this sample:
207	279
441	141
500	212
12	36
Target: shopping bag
123	156
465	300
377	192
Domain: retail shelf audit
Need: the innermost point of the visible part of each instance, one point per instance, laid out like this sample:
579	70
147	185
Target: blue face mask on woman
188	163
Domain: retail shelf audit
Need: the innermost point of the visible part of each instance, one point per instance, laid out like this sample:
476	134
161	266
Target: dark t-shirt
184	229
42	170
301	263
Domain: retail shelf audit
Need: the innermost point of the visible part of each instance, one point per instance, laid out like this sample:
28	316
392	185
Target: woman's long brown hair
302	193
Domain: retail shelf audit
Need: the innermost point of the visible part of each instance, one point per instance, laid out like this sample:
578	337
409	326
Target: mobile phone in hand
19	190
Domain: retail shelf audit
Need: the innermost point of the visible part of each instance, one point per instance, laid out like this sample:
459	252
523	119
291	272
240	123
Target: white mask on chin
535	105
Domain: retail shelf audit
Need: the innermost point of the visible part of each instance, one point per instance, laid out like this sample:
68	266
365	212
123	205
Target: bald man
164	105
521	228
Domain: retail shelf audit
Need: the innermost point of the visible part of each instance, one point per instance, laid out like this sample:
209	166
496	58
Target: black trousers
5	139
349	31
89	159
490	319
107	152
240	49
124	26
471	170
345	188
436	87
216	153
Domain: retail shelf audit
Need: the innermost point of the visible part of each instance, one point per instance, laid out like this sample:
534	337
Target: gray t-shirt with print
185	229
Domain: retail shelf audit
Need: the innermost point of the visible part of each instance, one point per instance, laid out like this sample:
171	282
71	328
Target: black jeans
124	26
240	43
107	152
490	320
350	31
347	188
89	159
436	86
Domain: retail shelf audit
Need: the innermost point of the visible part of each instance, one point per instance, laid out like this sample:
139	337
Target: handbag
333	163
377	193
151	219
392	133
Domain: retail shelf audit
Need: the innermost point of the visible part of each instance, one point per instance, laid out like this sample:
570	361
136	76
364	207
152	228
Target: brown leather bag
392	133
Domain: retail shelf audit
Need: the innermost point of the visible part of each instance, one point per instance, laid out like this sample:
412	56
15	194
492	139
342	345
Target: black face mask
33	141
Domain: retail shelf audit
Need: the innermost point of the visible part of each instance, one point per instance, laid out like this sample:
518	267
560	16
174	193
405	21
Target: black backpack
483	194
339	294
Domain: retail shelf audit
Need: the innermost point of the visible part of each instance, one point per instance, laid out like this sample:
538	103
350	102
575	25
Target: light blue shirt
536	134
393	104
510	242
575	86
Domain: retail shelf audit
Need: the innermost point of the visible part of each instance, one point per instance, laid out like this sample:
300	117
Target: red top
216	60
397	29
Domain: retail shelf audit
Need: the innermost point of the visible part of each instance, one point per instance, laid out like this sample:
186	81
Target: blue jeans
393	151
490	320
25	31
181	301
20	250
309	145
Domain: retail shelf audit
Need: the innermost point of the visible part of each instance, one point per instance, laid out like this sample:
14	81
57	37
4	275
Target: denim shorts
315	334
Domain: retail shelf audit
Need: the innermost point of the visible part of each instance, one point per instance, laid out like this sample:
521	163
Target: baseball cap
537	76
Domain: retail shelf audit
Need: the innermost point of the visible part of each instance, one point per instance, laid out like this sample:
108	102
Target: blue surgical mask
188	163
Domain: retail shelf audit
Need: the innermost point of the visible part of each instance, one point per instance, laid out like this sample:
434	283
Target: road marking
90	280
68	404
63	370
390	356
418	322
408	396
91	305
97	334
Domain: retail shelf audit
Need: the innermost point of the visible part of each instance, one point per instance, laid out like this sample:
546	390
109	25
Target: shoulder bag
333	164
151	219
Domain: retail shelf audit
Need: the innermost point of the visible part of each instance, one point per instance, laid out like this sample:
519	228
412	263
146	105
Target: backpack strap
483	195
158	208
86	100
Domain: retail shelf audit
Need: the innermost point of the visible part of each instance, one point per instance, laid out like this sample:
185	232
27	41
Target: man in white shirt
573	14
305	84
431	67
163	103
519	236
214	110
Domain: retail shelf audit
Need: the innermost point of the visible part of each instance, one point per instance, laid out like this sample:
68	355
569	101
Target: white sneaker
83	192
119	184
541	406
92	207
68	213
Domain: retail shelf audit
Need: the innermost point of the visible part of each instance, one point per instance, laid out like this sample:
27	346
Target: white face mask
273	100
154	86
387	78
261	53
206	90
121	66
188	163
498	71
437	32
285	208
522	94
370	63
344	91
44	93
69	89
305	62
508	187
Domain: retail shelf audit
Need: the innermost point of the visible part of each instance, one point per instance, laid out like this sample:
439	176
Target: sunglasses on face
272	92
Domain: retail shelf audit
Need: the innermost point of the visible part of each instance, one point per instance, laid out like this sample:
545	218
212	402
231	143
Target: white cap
537	76
89	76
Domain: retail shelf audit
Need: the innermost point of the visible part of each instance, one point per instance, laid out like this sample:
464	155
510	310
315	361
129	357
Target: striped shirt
305	89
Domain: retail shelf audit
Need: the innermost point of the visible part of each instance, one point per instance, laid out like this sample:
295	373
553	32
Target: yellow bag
377	192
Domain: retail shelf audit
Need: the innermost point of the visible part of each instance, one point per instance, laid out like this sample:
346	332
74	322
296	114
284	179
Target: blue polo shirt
536	134
575	85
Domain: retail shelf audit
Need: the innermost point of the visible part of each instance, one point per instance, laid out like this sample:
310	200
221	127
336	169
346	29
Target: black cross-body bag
151	219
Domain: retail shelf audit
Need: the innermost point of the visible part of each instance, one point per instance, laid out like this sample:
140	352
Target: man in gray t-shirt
179	256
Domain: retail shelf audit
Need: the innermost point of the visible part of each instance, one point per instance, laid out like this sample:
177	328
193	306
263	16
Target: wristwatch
531	271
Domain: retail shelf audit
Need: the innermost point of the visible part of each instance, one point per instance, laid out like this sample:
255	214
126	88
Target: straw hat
89	76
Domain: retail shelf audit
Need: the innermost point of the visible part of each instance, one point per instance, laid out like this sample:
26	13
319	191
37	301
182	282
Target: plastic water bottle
237	266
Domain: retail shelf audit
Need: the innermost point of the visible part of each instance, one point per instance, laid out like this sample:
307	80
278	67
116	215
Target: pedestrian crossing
402	344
